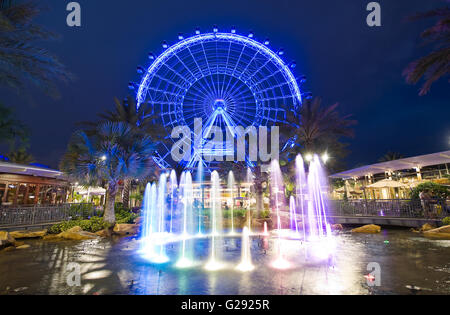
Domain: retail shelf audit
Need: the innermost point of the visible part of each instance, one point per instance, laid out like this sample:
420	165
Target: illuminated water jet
246	257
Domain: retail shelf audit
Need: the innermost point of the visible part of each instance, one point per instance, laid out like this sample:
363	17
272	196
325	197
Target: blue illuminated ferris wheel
225	79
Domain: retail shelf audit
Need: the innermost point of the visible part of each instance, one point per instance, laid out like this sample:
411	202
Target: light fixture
325	157
309	157
103	157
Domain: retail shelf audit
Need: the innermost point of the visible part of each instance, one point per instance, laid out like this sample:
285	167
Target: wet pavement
115	267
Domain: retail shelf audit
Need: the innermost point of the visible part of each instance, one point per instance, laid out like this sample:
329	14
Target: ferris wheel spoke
195	61
206	58
266	78
179	75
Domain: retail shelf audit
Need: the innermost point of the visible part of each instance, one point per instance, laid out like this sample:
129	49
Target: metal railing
42	214
405	208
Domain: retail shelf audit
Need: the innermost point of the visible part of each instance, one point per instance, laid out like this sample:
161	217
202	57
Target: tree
141	120
22	60
316	129
114	153
436	64
11	129
21	156
390	156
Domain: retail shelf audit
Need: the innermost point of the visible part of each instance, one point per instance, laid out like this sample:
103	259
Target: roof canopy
396	165
387	183
11	168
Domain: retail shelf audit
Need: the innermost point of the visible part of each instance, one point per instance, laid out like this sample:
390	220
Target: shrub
83	210
94	224
437	190
124	215
264	214
446	221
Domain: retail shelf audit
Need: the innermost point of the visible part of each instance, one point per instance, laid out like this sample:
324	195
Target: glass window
11	195
31	194
21	194
2	191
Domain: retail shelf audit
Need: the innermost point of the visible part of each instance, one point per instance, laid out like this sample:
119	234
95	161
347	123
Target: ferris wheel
225	79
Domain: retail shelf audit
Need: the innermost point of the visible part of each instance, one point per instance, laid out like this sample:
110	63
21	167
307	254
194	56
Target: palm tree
390	156
312	122
22	60
114	153
436	64
141	120
10	128
21	156
316	129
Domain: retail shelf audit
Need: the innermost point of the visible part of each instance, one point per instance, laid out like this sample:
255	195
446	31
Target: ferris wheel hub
219	104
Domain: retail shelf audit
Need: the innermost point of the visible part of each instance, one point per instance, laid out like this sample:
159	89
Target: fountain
246	256
216	222
277	191
231	203
173	190
293	215
169	216
187	202
266	232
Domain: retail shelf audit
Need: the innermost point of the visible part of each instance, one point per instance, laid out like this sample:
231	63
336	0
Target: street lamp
325	157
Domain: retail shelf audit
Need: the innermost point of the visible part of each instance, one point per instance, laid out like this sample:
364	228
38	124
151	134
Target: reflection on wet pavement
114	267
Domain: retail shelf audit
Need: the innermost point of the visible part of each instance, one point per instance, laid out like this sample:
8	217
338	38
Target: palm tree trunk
126	193
259	197
109	215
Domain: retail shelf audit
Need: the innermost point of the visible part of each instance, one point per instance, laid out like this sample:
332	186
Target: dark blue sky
344	60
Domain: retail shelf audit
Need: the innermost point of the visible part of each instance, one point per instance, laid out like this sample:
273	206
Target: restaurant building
31	185
393	179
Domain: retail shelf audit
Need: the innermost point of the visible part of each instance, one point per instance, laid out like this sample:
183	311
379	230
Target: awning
387	183
396	165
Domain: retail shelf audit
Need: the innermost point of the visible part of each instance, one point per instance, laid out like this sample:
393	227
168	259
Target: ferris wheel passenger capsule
151	56
302	79
215	29
140	70
293	64
131	86
197	31
165	45
267	42
233	30
281	52
180	36
307	95
251	35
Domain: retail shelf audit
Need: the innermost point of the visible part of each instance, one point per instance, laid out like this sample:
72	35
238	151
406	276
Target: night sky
344	60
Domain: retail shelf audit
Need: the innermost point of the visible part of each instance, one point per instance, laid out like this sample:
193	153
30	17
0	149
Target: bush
446	221
237	213
81	211
124	215
94	224
439	191
264	214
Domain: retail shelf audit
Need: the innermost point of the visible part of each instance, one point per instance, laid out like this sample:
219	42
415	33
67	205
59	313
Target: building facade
31	185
